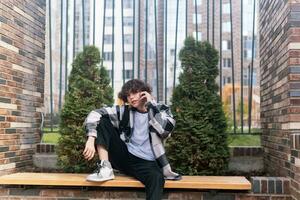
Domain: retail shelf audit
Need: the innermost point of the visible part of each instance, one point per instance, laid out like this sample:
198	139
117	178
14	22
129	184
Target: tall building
112	41
82	12
209	18
206	14
140	35
72	36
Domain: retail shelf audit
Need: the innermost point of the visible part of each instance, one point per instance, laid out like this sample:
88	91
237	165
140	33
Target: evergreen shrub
88	89
198	145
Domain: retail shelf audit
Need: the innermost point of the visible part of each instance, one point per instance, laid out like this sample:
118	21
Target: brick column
295	165
22	54
280	88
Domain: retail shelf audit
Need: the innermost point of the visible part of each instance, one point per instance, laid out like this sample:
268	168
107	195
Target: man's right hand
89	150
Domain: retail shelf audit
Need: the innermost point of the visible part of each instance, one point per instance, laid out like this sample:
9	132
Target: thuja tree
199	143
88	89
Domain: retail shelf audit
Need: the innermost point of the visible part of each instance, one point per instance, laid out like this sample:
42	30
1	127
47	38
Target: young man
130	138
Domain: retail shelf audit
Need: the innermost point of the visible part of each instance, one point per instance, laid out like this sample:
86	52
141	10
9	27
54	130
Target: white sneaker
103	172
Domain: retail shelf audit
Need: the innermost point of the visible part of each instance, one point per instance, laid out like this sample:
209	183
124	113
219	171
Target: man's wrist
150	104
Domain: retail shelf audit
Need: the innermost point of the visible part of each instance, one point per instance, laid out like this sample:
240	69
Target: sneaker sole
100	179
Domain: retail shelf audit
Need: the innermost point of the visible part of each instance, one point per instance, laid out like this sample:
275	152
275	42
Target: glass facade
139	34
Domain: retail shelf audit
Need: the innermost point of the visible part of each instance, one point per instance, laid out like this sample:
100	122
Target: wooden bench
68	179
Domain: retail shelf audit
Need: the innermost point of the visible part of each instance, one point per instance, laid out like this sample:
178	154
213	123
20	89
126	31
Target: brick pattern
274	85
270	185
22	54
280	81
295	165
122	194
246	151
45	148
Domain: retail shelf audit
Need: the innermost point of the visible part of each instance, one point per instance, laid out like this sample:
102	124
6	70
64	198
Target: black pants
148	172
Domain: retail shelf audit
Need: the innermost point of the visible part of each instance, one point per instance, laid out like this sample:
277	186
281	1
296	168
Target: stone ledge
234	151
242	159
45	161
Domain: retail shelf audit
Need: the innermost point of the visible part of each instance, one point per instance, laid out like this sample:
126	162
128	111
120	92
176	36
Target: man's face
134	99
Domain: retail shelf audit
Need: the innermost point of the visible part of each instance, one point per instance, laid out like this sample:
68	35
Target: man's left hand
145	97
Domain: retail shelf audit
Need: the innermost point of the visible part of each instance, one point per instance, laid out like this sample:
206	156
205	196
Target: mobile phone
142	95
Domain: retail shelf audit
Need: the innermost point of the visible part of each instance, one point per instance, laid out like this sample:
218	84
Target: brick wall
295	165
22	53
280	88
90	193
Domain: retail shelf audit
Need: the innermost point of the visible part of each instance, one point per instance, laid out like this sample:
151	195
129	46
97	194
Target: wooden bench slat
69	179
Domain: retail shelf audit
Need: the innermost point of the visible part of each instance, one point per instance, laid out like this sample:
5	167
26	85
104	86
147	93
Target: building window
246	78
128	3
107	56
227	62
248	54
109	73
109	4
247	42
199	2
128	56
128	74
254	78
172	52
199	35
128	39
226	27
248	47
107	39
249	2
226	80
151	53
199	18
128	21
226	8
226	45
108	21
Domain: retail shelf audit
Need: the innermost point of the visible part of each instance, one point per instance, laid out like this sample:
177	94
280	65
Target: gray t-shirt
139	144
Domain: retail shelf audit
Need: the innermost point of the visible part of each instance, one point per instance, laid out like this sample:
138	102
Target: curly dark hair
133	86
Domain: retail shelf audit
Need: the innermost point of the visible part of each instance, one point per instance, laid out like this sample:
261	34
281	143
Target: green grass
50	136
244	140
